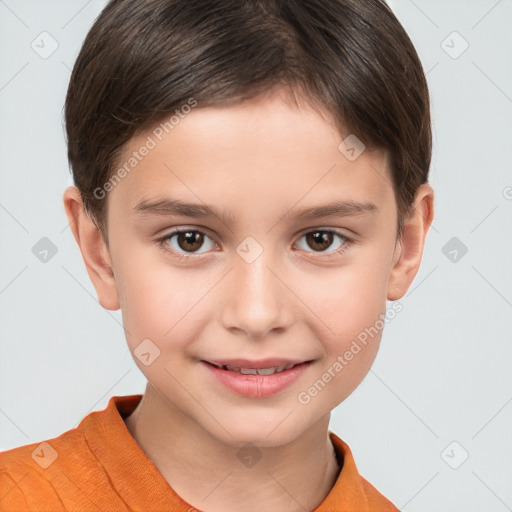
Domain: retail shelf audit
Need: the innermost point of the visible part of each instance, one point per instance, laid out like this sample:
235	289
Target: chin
262	428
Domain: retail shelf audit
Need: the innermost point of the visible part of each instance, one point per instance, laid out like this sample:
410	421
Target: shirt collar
140	483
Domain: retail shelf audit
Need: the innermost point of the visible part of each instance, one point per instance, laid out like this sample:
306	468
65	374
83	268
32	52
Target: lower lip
257	386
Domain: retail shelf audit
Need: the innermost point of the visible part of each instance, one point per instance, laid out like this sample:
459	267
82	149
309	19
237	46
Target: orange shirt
98	466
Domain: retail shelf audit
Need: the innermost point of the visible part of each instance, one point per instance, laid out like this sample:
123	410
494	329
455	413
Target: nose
257	300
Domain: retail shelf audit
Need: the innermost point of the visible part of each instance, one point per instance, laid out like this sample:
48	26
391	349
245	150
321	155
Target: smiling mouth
257	378
256	371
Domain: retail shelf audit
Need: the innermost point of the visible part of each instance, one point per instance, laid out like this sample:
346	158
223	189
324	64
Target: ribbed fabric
98	466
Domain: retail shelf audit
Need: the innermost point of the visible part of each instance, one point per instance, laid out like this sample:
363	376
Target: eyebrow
174	207
336	209
167	207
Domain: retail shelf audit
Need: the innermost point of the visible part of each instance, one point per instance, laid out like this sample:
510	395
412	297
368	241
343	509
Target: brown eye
322	239
319	240
190	241
184	242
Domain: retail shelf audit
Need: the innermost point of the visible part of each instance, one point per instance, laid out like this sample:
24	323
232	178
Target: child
290	142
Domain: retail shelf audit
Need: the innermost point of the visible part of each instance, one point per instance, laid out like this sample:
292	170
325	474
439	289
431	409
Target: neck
199	468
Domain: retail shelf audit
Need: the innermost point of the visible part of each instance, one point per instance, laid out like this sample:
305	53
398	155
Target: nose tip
257	301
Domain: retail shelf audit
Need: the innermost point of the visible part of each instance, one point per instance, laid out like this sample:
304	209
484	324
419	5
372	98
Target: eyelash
162	242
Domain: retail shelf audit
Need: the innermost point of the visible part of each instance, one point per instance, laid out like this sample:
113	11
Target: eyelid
338	231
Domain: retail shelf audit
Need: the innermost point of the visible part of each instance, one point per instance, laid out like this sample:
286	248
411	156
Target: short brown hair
143	59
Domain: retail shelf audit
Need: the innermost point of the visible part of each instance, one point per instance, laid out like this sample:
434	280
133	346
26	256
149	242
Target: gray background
441	387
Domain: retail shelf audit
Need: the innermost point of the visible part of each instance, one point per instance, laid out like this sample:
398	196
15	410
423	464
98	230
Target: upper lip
260	363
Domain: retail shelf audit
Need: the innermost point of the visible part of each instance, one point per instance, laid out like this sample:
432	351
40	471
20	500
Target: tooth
266	371
256	371
249	371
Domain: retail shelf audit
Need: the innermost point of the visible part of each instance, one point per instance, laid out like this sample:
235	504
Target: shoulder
376	500
74	470
351	490
37	473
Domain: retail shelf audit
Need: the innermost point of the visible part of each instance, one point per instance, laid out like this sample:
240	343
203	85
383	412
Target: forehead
260	154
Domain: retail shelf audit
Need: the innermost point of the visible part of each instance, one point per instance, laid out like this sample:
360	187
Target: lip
260	363
256	386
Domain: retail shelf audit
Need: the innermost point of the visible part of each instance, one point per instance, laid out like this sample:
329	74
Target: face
272	276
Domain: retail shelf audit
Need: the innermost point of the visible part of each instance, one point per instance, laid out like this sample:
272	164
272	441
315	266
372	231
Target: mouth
267	367
257	379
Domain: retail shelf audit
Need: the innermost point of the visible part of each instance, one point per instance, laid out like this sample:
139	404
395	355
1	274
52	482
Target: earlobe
94	251
409	250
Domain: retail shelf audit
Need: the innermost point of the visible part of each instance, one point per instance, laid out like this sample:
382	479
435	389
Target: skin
257	160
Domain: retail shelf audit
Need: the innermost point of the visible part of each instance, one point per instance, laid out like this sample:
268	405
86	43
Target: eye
321	239
186	241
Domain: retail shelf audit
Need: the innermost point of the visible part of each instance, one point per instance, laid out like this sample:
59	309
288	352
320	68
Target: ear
409	250
93	248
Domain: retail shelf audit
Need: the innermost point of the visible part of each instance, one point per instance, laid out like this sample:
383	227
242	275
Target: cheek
349	299
350	304
161	302
354	316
